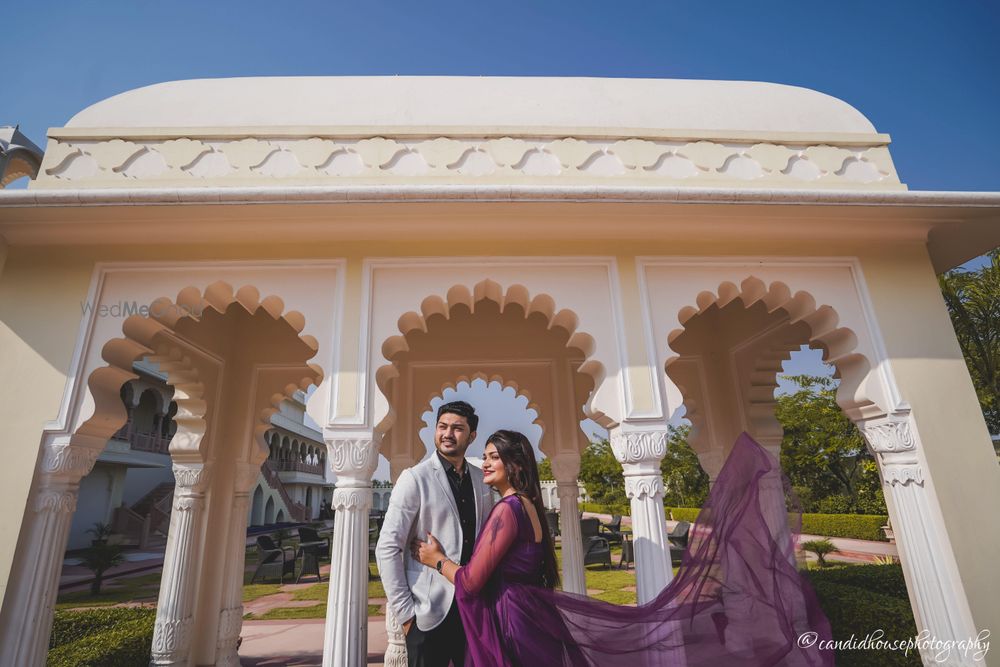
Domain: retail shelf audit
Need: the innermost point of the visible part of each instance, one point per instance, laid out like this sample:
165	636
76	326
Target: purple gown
738	598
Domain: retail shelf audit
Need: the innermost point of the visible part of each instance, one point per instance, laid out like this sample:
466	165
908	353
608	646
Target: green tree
685	484
545	469
822	453
973	300
601	473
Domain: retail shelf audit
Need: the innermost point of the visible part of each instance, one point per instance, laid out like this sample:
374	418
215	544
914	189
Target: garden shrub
858	526
688	514
117	637
858	601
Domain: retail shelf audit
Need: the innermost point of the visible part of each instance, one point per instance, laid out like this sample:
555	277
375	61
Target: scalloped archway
232	358
496	387
730	348
488	332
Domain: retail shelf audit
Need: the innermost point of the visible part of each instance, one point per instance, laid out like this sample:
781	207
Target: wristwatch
439	564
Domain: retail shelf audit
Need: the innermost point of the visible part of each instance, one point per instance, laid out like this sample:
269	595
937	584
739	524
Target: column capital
566	467
633	445
889	434
352	455
643	486
69	461
191	477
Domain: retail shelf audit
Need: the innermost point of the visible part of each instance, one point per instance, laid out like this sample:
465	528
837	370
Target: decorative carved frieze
639	446
195	160
171	636
643	486
355	499
902	475
55	500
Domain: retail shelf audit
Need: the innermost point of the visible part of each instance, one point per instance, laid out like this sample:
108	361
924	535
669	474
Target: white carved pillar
345	643
566	469
640	453
175	607
34	584
939	603
231	615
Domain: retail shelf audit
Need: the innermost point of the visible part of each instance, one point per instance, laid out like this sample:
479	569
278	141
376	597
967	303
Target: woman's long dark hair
522	473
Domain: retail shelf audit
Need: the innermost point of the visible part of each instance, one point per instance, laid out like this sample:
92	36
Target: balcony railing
150	442
297	466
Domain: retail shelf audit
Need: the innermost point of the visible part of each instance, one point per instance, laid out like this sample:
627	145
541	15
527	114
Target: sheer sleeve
498	535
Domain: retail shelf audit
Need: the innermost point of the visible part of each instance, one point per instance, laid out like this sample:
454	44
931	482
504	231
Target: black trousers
439	647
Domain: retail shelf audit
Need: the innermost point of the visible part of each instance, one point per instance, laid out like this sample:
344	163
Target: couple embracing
473	582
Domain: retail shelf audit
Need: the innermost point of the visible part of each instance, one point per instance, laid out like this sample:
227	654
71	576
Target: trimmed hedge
857	526
688	514
861	599
117	637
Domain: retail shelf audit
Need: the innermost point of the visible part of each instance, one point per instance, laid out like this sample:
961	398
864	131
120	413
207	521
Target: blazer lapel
442	478
478	490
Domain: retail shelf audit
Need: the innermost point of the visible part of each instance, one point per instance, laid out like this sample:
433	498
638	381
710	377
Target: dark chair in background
596	548
552	519
612	530
678	540
309	537
272	560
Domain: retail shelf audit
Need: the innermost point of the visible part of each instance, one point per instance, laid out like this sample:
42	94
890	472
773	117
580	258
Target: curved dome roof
481	102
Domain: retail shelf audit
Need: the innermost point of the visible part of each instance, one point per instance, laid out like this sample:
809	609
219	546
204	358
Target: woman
737	600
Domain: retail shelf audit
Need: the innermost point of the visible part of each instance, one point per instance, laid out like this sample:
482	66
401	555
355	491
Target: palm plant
821	548
101	532
100	558
973	300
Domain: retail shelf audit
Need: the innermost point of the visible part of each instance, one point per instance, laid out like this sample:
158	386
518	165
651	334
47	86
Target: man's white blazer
422	502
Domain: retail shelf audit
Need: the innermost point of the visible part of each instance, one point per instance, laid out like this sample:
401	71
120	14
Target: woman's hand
429	552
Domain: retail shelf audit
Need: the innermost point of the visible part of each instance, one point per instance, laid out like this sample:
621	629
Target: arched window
257	507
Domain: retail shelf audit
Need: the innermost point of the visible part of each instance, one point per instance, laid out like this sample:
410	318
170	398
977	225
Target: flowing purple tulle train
737	599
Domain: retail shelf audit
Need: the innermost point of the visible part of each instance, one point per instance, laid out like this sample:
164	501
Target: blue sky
923	72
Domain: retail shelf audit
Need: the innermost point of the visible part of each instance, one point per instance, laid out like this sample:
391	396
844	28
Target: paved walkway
299	643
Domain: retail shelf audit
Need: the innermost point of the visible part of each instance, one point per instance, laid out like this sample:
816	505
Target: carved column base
395	652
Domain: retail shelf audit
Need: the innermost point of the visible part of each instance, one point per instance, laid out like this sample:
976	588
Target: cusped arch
155	337
504	384
821	323
483	291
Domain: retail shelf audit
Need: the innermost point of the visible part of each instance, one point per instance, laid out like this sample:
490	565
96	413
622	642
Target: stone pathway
299	643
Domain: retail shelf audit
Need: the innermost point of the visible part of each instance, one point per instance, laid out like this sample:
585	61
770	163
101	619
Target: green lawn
143	588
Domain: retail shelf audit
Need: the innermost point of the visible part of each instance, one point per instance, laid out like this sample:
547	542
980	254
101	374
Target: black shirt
465	500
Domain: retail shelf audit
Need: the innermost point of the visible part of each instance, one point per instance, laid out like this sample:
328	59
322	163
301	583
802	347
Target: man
445	496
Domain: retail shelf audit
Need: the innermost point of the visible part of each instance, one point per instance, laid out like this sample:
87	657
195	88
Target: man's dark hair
462	409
